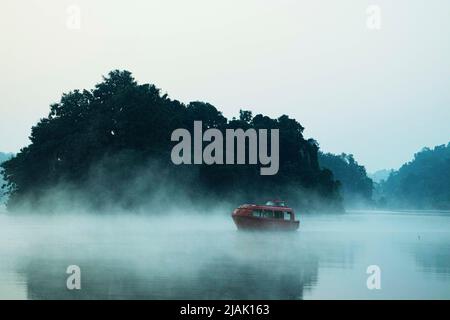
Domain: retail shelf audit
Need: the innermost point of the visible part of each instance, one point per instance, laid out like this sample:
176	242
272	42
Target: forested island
109	147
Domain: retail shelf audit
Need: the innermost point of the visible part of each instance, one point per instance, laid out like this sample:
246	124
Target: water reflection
197	258
433	258
241	269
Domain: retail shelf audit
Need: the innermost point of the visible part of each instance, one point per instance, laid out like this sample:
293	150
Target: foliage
356	185
422	183
112	145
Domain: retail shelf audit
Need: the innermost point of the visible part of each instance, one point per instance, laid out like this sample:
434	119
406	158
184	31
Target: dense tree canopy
356	186
422	183
111	145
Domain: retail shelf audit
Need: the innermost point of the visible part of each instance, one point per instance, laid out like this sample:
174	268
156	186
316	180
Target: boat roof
266	207
277	203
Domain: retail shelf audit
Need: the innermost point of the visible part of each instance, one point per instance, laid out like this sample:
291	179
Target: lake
189	256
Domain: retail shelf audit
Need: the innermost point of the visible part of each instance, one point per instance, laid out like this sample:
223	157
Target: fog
166	246
200	255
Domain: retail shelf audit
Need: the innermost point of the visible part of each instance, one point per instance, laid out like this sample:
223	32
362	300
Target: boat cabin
273	214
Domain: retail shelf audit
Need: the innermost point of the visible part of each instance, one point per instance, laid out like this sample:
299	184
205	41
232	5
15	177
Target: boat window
257	213
269	214
287	215
278	214
270	203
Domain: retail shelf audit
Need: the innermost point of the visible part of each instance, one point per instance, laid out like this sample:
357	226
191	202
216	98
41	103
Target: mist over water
192	255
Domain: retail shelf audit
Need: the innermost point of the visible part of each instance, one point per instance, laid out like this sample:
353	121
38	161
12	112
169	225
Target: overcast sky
379	94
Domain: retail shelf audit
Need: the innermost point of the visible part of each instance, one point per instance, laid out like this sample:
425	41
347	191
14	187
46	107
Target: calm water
126	257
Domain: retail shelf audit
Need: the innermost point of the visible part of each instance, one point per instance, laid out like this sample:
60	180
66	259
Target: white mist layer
186	255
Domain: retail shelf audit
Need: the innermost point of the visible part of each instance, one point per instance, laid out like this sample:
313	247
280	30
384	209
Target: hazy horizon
381	95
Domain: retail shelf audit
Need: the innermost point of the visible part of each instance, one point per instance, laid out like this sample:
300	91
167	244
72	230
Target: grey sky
381	95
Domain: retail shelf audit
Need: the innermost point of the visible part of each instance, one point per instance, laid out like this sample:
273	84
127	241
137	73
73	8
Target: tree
422	183
356	186
111	146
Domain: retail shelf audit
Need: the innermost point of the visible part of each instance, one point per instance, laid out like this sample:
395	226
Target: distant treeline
110	146
356	186
423	183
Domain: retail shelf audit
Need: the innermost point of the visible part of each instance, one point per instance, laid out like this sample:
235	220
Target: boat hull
256	223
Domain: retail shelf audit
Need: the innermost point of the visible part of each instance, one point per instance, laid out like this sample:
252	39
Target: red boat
274	215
